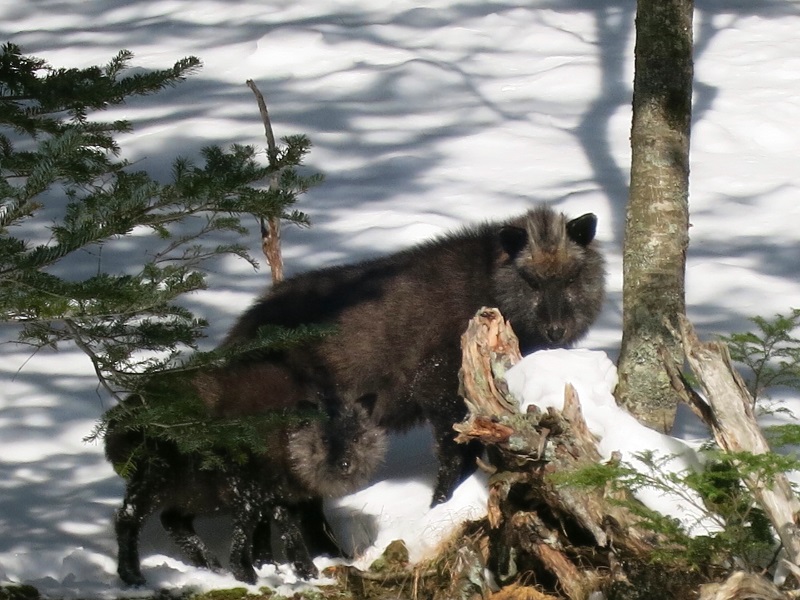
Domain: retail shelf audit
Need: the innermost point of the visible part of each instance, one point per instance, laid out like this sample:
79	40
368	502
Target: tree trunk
656	233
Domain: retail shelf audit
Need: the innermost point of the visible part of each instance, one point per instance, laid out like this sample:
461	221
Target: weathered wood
728	410
489	348
547	544
271	246
525	449
742	586
521	592
271	229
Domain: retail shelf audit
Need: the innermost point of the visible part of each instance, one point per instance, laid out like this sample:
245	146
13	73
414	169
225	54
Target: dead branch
728	410
271	230
742	586
520	592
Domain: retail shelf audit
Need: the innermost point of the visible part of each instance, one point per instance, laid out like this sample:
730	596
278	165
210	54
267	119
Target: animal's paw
262	557
216	568
132	578
440	497
306	570
245	573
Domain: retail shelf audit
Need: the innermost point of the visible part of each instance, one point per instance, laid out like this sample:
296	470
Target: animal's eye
574	277
531	280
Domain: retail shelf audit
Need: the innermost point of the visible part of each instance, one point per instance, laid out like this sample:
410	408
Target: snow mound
539	380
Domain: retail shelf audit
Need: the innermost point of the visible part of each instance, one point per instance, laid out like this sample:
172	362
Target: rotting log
728	410
576	537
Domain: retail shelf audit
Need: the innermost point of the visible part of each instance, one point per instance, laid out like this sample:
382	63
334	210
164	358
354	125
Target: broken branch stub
489	348
270	230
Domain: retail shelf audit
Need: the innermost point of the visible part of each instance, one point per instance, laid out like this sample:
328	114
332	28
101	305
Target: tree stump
569	539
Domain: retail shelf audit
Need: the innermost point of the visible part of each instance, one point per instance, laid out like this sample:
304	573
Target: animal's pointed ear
512	239
307	411
581	230
368	402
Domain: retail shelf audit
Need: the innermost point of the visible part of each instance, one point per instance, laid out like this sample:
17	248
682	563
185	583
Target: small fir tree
771	353
60	172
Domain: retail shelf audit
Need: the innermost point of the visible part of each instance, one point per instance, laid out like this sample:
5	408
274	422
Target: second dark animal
398	319
327	453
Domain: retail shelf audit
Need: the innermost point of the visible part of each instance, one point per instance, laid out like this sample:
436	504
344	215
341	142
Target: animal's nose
344	466
555	333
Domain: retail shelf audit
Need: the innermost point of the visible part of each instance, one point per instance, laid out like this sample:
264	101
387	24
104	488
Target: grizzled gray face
550	283
337	453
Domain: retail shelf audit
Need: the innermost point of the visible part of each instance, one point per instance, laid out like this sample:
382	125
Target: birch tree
656	231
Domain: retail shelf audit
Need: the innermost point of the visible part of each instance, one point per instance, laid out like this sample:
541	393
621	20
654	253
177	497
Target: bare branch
272	149
80	343
271	231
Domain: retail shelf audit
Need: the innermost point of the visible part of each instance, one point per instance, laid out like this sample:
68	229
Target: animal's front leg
456	461
262	543
293	545
127	525
247	505
315	528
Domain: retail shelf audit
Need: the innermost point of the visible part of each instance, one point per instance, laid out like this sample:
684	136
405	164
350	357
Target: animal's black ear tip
582	229
512	239
586	219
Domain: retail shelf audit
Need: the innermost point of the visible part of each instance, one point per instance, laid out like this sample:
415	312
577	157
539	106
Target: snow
539	380
423	118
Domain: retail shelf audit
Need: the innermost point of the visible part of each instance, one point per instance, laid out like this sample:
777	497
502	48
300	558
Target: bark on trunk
656	233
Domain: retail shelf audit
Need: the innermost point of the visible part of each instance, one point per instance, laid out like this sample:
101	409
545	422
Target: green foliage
744	537
60	173
19	592
781	436
771	353
174	416
167	410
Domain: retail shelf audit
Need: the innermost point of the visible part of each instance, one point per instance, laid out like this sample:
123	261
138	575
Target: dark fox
398	319
329	452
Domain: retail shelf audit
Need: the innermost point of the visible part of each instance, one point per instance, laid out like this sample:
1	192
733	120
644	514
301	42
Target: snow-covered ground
423	118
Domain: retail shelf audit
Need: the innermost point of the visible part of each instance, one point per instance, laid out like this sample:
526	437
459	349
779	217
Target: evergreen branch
129	325
177	425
